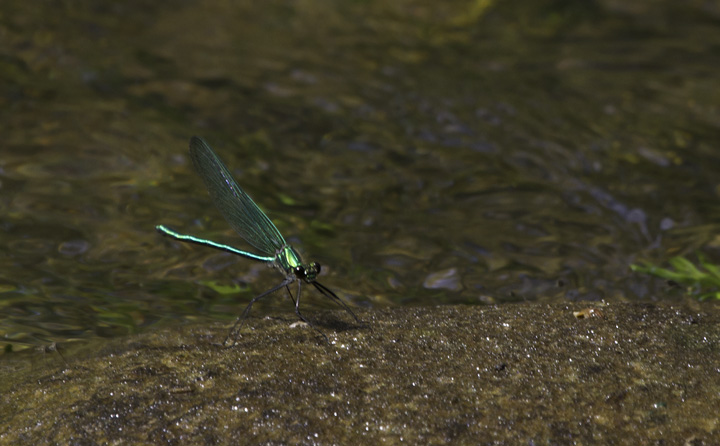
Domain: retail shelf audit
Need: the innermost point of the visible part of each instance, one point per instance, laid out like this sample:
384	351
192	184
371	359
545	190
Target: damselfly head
308	272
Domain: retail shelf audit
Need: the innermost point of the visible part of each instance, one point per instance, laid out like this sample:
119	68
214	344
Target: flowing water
423	152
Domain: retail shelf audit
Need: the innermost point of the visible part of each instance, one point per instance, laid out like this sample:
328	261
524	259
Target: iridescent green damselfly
251	223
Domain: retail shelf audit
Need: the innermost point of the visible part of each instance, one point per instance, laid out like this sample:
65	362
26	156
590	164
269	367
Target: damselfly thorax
288	261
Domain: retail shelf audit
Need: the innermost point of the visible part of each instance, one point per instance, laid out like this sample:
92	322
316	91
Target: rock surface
512	374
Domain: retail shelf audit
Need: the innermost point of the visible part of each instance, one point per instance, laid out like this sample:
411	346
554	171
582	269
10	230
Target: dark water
423	152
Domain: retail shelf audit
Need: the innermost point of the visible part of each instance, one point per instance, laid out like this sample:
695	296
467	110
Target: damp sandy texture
515	374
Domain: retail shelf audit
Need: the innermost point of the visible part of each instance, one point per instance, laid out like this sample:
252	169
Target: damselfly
251	223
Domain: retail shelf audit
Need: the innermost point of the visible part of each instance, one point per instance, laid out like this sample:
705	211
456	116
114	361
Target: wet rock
512	374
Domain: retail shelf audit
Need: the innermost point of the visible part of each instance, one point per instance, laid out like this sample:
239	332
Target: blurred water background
423	152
